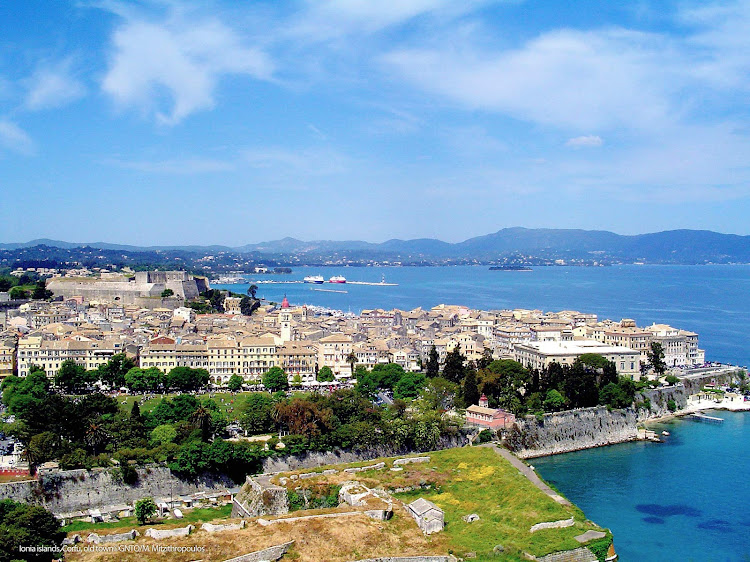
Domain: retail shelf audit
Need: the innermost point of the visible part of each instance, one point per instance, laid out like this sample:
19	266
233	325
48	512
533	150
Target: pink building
492	418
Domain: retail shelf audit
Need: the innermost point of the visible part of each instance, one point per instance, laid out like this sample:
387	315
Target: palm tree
95	436
202	418
351	359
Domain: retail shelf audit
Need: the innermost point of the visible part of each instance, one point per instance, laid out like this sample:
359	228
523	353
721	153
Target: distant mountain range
673	246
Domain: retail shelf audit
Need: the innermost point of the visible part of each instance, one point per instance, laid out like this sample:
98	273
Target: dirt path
528	473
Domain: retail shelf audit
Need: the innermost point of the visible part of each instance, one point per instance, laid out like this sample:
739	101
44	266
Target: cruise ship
314	279
337	279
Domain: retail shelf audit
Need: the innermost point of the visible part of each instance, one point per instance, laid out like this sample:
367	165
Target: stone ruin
260	497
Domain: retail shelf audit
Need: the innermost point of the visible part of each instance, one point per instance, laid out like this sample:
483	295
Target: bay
710	300
684	499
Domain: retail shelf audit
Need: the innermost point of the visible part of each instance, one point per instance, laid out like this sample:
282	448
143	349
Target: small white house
429	517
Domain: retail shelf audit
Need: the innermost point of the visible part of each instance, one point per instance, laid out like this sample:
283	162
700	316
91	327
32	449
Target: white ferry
337	279
314	279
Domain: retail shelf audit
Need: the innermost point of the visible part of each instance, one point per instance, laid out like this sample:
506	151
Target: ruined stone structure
260	497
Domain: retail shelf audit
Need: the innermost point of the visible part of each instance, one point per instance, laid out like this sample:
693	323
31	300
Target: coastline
626	433
735	403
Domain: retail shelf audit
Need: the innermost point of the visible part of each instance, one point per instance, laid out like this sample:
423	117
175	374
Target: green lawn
480	481
228	407
199	515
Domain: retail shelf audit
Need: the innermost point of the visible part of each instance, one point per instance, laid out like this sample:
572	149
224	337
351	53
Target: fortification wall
573	430
146	284
79	490
315	459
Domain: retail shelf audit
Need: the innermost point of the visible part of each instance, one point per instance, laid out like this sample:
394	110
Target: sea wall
573	430
79	490
586	428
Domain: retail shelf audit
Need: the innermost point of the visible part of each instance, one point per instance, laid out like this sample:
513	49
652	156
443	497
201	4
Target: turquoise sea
686	499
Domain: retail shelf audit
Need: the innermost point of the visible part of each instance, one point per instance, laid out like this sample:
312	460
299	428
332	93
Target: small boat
337	279
665	433
317	279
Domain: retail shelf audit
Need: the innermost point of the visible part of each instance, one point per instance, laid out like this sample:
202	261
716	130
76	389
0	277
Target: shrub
145	508
600	548
671	405
484	436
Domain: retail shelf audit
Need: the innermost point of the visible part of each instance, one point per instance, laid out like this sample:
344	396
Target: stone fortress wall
586	428
124	290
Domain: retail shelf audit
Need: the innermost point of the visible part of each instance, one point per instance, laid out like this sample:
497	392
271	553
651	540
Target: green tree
470	388
432	365
40	292
554	401
387	375
113	372
256	413
17	293
28	525
164	433
144	380
167	293
439	394
186	379
42	447
454	365
409	386
145	509
201	418
325	374
234	384
275	380
96	436
71	377
352	360
252	290
656	358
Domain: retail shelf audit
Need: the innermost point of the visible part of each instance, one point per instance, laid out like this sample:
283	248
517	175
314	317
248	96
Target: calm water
687	499
710	300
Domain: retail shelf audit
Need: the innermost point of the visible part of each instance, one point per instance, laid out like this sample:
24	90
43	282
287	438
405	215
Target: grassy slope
477	480
463	481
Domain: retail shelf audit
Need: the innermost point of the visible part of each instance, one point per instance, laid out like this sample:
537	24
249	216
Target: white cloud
304	162
180	59
53	86
565	78
13	138
585	141
328	19
188	166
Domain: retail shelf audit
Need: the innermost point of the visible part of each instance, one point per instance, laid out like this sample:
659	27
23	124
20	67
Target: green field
228	407
478	480
198	515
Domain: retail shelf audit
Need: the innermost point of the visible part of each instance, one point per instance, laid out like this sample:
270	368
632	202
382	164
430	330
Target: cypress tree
470	388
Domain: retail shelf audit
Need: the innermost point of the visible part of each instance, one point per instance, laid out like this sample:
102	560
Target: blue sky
235	122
